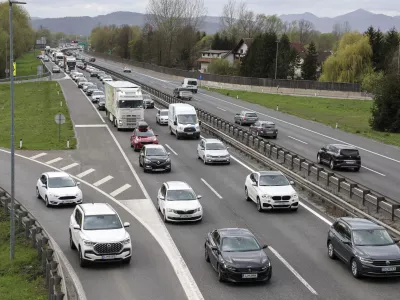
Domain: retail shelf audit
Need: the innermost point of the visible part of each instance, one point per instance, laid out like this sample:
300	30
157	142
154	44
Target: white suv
213	151
271	190
96	230
177	202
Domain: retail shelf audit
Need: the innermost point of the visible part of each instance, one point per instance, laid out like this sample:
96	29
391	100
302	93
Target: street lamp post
12	214
276	58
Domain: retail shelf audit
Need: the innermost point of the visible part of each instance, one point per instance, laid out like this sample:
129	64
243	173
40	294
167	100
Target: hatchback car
177	202
367	248
338	156
154	158
147	101
162	117
142	135
56	69
213	151
246	118
58	188
237	256
264	129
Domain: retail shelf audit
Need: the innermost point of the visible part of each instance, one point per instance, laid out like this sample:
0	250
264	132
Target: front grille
279	198
108	248
382	263
67	197
247	270
146	143
183	212
189	129
185	219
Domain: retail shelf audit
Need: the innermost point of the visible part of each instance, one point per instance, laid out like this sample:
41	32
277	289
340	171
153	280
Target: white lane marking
104	180
134	200
69	166
211	188
221	108
38	155
91	126
306	129
53	160
83	174
172	150
297	140
373	171
291	269
120	190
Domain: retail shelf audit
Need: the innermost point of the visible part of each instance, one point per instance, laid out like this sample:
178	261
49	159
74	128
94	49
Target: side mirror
175	123
199	196
291	182
162	198
141	154
127	224
169	153
76	227
78	183
214	248
227	148
396	241
254	183
265	246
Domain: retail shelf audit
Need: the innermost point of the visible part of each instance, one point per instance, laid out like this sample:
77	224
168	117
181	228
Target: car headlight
295	196
365	260
89	243
126	241
52	195
228	267
268	197
120	121
147	160
171	210
197	209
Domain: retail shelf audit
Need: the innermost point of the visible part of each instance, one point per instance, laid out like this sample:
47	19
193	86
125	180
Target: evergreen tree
309	67
377	42
268	56
294	65
286	56
249	61
216	43
391	48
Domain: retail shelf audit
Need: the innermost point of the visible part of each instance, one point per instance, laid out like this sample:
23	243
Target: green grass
351	115
36	104
27	64
21	278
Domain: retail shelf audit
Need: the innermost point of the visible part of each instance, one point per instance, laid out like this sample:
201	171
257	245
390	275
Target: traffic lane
190	238
299	237
54	76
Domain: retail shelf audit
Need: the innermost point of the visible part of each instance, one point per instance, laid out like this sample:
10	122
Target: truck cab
183	121
191	84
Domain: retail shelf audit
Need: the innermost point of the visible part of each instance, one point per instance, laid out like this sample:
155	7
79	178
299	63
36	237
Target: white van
191	84
183	121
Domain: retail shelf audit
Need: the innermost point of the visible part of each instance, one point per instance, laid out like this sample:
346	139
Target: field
36	104
27	64
351	115
22	277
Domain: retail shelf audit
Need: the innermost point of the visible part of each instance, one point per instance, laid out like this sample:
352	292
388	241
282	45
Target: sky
322	8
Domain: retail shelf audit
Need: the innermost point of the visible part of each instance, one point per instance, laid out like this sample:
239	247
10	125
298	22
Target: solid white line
53	160
172	150
104	180
91	126
373	171
69	166
38	155
83	174
221	108
120	190
297	140
134	200
211	188
291	269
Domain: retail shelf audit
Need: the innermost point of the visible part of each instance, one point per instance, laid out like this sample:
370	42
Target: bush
370	81
222	67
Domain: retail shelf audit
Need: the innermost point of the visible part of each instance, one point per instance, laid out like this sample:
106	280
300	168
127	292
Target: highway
381	163
301	267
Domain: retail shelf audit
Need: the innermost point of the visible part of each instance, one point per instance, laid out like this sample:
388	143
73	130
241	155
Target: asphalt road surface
381	163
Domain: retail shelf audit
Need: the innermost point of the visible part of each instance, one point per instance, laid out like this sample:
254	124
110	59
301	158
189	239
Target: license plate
270	131
158	169
189	133
388	269
108	257
350	162
69	201
185	216
249	275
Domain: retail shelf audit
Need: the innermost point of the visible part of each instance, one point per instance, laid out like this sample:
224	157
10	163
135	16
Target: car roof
360	223
164	109
270	173
93	209
343	146
212	141
225	232
177	185
56	174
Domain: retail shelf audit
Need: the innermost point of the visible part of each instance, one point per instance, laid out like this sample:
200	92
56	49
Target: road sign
39	70
59	118
201	76
15	68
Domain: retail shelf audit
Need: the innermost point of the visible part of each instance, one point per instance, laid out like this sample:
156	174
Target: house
240	51
302	52
208	56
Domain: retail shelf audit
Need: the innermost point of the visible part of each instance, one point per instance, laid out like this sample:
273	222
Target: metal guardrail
40	240
329	184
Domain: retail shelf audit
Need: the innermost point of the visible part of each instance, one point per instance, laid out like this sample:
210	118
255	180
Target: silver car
246	117
162	117
213	151
97	95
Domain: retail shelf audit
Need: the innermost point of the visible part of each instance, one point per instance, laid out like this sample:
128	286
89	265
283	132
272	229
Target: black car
365	247
147	101
154	158
92	59
101	105
264	129
338	156
236	255
93	73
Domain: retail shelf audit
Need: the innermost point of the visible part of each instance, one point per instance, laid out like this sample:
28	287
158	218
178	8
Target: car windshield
273	180
239	244
156	152
145	133
215	146
187	119
164	113
130	103
60	182
180	195
192	82
349	152
102	222
374	237
251	115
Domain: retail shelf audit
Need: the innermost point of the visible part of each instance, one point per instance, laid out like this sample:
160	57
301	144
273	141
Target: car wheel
165	217
331	251
357	169
158	205
178	136
127	261
71	242
318	159
354	268
220	276
204	160
169	170
38	194
331	165
170	131
246	193
46	201
259	208
82	261
206	256
294	209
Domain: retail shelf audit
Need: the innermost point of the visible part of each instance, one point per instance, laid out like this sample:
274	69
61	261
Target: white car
213	151
177	202
58	188
271	190
97	232
107	79
97	95
85	85
162	117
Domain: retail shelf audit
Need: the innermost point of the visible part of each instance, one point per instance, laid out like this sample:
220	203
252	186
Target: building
302	52
240	51
208	56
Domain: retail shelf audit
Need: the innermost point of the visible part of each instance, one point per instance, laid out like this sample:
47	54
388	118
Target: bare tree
305	31
273	24
339	29
230	14
195	13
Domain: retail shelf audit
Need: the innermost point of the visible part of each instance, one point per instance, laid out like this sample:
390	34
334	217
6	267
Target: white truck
183	121
124	104
190	84
59	57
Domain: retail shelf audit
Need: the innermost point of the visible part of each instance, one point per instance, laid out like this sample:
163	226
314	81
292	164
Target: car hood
163	117
183	205
380	252
147	138
277	190
249	259
217	152
67	191
98	96
106	236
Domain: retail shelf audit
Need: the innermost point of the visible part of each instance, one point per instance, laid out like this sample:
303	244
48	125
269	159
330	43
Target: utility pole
398	61
276	58
7	60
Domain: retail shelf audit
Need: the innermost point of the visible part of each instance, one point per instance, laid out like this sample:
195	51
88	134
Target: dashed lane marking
69	166
104	180
83	174
53	160
120	190
38	155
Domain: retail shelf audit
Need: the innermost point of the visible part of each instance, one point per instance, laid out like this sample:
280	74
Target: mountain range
359	20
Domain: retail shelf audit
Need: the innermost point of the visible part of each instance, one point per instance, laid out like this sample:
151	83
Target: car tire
71	242
158	205
206	256
331	165
82	261
178	136
246	193
170	131
204	160
331	251
38	194
46	201
294	209
354	268
318	159
220	276
169	170
357	169
165	217
259	208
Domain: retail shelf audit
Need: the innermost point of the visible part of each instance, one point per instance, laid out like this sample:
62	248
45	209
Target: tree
286	57
305	31
273	24
295	65
325	42
376	40
309	67
370	80
386	106
351	61
391	48
229	18
222	67
339	29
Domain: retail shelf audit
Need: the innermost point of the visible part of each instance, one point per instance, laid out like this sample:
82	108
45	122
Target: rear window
349	152
268	125
192	82
251	115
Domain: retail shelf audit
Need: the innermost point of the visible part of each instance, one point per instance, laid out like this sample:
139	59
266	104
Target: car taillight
244	118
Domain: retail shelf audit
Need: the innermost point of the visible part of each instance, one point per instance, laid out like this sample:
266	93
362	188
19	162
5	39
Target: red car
143	135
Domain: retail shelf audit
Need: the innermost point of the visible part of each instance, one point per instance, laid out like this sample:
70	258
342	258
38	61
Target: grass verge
21	278
27	64
351	115
36	105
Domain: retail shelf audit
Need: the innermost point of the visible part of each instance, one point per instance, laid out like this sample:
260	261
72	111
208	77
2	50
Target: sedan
236	255
147	101
86	85
81	81
89	91
58	188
